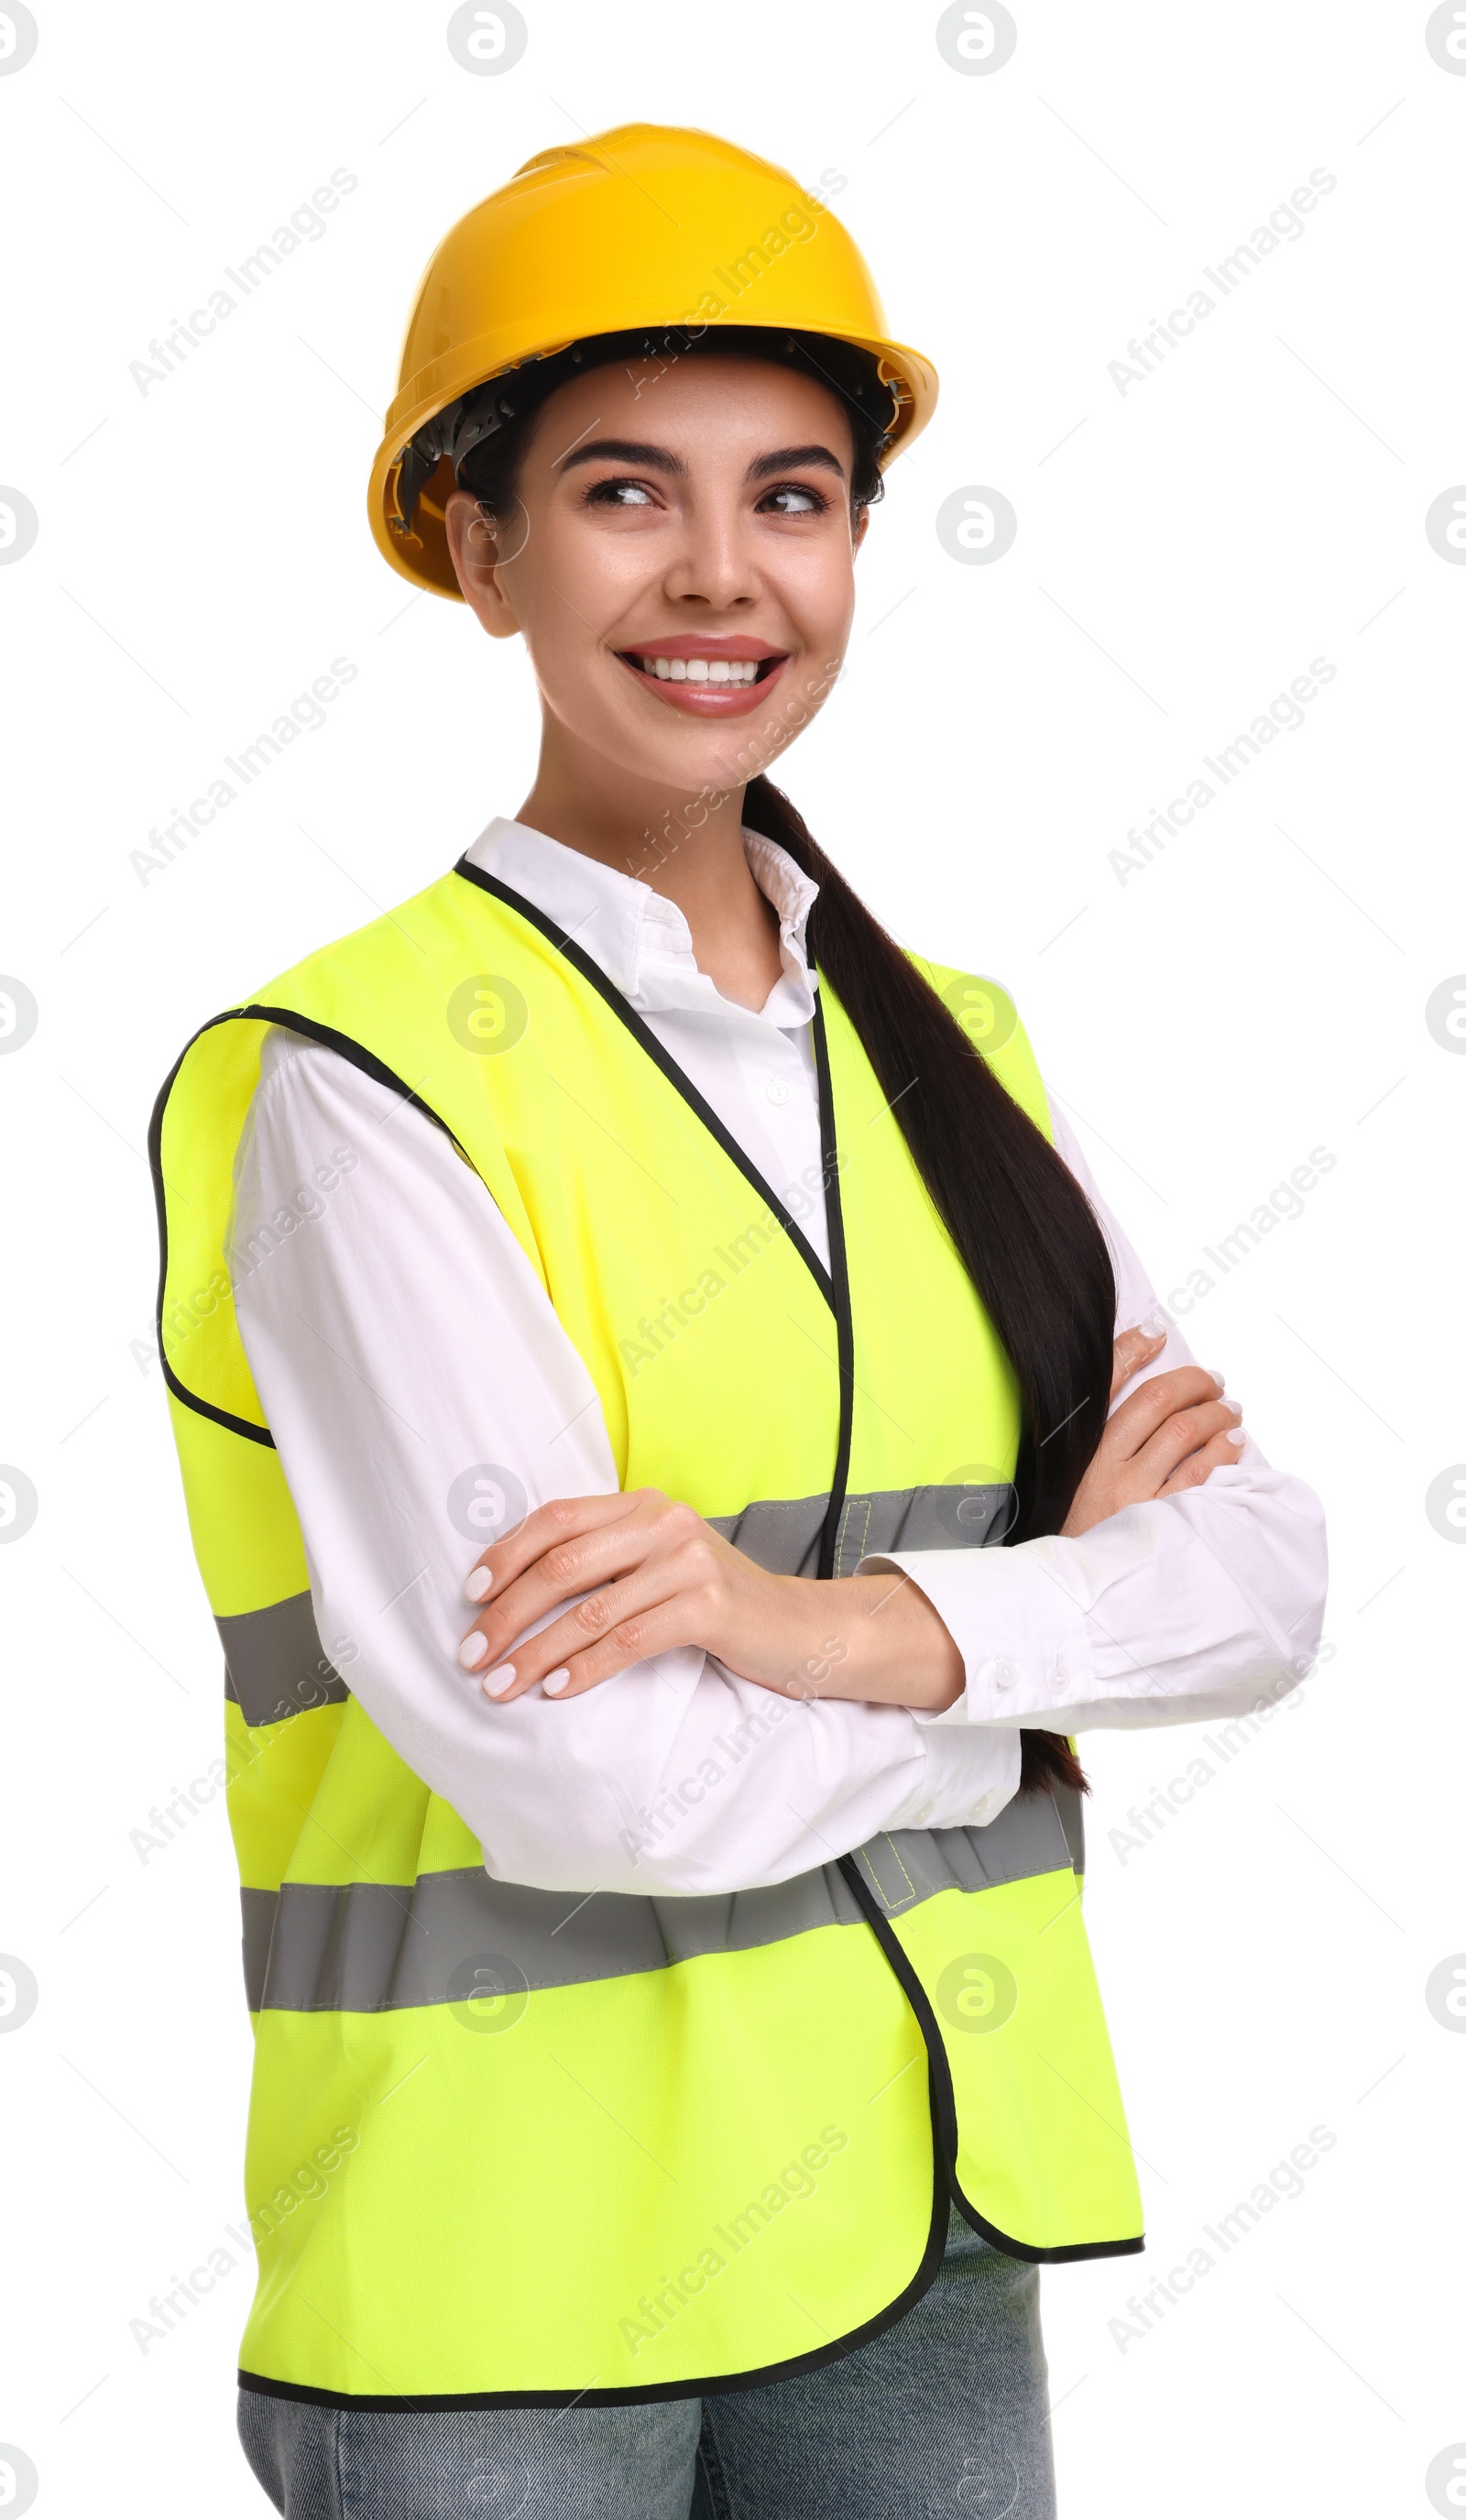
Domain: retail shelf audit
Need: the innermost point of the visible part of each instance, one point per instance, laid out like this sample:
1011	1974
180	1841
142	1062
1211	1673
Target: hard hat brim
422	554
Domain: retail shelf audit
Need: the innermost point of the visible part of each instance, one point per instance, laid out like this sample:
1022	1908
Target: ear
479	546
860	529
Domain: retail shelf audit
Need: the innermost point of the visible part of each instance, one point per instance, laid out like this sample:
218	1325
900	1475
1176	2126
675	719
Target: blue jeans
947	2412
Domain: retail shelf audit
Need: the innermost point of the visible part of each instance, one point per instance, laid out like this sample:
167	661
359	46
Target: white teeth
701	669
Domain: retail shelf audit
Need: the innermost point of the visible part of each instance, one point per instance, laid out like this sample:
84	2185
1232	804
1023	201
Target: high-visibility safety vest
507	2146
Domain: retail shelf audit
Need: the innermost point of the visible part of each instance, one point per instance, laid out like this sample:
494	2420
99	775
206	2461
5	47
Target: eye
619	494
793	499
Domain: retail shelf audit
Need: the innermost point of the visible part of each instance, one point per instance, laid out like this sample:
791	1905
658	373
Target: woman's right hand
1169	1436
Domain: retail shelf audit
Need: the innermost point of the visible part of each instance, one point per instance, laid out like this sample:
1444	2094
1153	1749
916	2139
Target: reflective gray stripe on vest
784	1537
461	1938
904	1865
273	1662
1070	1805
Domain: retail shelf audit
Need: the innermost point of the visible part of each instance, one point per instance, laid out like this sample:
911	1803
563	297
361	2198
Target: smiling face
679	558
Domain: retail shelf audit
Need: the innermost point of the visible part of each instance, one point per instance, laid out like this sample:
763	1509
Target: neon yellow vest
508	2145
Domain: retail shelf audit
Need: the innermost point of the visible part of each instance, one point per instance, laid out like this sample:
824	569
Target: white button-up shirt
398	1337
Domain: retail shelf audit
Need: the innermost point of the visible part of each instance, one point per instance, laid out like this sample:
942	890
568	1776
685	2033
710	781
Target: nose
713	566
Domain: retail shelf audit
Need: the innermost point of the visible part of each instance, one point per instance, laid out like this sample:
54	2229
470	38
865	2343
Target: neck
688	850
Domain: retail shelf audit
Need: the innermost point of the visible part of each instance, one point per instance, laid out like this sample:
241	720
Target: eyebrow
627	450
661	459
790	459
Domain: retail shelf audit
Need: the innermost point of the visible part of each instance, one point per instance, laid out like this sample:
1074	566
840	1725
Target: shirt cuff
1023	1640
968	1779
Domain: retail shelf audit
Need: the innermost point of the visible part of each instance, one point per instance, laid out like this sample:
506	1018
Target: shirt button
1000	1672
777	1090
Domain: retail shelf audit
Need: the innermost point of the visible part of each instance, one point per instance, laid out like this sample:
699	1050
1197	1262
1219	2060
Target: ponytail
1023	1229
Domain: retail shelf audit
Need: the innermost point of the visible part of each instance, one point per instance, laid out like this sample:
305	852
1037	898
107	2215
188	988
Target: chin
705	763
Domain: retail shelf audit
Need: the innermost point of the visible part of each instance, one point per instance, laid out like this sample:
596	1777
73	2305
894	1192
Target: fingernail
497	1681
479	1585
1237	1436
553	1682
473	1650
1235	1407
1219	1378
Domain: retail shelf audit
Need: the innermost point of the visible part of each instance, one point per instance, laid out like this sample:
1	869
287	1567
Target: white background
1183	551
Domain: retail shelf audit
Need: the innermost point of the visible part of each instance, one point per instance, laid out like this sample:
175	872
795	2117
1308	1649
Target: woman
666	2091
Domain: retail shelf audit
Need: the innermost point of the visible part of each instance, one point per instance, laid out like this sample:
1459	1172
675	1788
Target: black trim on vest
329	1039
834	1216
590	970
660	2392
190	1399
944	2099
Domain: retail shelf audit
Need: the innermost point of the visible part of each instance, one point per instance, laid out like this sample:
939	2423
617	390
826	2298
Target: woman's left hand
653	1575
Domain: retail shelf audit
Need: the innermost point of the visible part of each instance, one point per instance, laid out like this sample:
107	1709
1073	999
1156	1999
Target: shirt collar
638	937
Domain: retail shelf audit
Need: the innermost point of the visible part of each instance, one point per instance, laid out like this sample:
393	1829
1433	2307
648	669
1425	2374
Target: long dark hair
1022	1227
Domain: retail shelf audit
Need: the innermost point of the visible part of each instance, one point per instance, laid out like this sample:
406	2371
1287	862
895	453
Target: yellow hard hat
645	227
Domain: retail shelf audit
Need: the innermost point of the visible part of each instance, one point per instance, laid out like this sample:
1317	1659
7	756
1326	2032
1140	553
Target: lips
706	677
